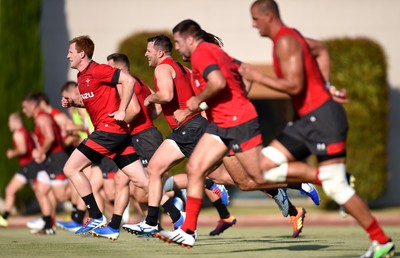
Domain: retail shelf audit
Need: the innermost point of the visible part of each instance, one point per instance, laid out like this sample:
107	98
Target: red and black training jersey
30	145
231	106
143	120
182	92
57	145
97	86
314	94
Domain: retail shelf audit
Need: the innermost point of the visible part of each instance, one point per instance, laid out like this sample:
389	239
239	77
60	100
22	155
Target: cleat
178	203
377	250
297	221
36	224
310	190
180	221
223	224
178	236
281	199
3	222
221	192
141	229
71	226
44	231
91	224
106	232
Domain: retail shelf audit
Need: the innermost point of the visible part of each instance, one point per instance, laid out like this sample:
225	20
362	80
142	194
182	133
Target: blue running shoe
107	232
92	224
180	221
221	192
71	226
310	190
281	199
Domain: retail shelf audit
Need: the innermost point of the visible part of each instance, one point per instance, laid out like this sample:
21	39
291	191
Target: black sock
221	208
73	212
79	215
171	209
115	221
208	183
294	186
6	214
91	205
152	215
47	221
271	192
292	209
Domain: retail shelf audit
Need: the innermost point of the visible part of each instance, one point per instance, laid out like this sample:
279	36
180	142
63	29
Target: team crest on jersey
196	83
87	82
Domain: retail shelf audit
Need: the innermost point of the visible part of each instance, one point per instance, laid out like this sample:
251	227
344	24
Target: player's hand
180	115
38	156
66	102
10	153
249	73
118	115
146	101
339	96
193	104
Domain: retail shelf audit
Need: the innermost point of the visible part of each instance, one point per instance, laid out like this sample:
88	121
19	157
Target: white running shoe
178	236
36	224
141	228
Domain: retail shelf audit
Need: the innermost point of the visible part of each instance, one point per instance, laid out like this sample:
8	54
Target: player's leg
16	183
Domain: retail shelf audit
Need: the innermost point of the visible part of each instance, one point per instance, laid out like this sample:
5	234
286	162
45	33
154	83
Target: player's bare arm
127	88
44	125
215	84
164	75
20	146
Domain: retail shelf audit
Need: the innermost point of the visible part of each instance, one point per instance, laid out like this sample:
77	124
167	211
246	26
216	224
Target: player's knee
121	180
334	182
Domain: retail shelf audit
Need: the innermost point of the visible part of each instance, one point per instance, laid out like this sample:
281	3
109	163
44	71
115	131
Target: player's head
15	121
263	13
186	34
70	90
44	100
30	104
158	47
80	48
118	60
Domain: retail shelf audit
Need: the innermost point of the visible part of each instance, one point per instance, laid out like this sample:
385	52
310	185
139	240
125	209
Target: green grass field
238	242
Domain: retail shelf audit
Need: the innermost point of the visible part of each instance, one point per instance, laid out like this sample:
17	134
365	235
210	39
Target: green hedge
134	46
359	65
20	70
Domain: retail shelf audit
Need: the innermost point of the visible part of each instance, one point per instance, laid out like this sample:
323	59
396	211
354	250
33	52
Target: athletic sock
115	221
6	214
193	206
208	183
152	215
79	216
171	209
292	209
47	222
91	205
73	212
221	208
376	233
317	180
294	186
272	193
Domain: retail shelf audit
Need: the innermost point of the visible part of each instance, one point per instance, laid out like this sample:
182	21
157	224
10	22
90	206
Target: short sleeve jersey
143	120
30	145
231	106
314	94
97	86
57	145
182	92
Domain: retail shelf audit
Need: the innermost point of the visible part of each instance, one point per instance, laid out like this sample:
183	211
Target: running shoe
180	221
71	226
36	224
281	199
297	221
377	250
179	203
221	192
91	224
223	224
310	190
178	236
140	229
3	222
44	231
107	232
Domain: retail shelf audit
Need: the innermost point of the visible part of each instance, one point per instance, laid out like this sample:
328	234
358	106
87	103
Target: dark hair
162	42
267	6
41	96
32	98
191	28
68	85
118	58
83	43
